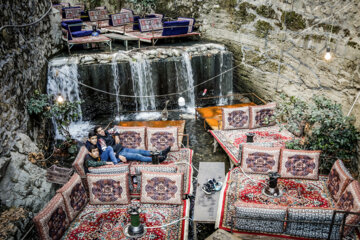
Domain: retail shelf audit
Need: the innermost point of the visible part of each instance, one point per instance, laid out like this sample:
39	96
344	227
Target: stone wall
23	63
279	45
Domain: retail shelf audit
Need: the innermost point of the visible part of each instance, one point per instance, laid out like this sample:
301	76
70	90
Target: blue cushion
150	16
175	28
77	23
82	33
136	23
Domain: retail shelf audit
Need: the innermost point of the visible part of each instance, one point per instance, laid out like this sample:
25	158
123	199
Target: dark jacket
92	162
108	140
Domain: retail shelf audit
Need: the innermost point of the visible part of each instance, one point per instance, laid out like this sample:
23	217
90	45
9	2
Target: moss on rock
330	28
293	21
266	11
262	28
353	44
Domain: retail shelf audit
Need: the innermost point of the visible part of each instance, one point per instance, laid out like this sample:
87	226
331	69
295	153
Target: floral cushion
53	220
272	217
74	195
161	188
132	137
137	169
309	221
256	159
339	179
299	164
150	24
78	164
235	118
350	201
121	19
262	115
109	188
160	138
97	15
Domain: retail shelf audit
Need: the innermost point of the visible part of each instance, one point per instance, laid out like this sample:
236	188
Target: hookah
135	229
272	190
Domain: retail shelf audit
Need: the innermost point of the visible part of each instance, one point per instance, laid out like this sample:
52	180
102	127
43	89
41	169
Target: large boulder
24	184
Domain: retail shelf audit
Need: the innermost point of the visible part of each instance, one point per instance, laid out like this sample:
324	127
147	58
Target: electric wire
168	224
28	24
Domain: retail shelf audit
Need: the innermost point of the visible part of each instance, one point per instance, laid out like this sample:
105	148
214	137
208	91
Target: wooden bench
124	38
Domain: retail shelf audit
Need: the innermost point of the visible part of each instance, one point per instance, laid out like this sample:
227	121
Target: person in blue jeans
107	155
110	138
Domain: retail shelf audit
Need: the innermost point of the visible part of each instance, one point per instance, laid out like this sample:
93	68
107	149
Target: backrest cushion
191	24
262	115
53	220
272	217
78	164
256	159
350	201
339	179
150	24
299	164
160	138
137	169
175	28
161	188
72	12
109	188
120	19
97	15
74	195
132	137
235	118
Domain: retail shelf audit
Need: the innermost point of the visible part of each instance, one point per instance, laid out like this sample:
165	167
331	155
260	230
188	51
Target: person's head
92	137
94	151
99	130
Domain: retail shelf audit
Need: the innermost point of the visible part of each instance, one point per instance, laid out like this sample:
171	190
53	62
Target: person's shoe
162	158
165	151
207	189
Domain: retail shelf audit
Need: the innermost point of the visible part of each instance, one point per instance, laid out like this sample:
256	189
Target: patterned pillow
110	169
313	228
78	164
150	24
299	164
53	220
132	137
161	188
160	138
262	116
350	201
97	15
272	217
137	169
120	19
74	195
339	179
235	118
109	188
262	160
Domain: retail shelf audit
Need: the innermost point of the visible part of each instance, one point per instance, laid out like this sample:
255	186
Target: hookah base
134	232
272	192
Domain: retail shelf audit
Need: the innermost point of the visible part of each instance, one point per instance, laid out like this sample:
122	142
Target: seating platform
153	37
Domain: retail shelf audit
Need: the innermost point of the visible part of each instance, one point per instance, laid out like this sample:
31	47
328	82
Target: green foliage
143	6
63	113
293	21
266	11
320	125
262	28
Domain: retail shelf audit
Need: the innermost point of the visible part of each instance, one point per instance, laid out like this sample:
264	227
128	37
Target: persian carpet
297	193
105	222
231	139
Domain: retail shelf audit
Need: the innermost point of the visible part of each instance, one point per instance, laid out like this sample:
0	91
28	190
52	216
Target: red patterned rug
105	222
296	192
231	139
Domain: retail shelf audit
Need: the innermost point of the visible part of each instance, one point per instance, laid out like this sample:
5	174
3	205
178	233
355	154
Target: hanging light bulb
328	54
60	99
181	101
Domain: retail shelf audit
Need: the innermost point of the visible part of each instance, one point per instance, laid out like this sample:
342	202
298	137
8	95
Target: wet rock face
24	184
23	53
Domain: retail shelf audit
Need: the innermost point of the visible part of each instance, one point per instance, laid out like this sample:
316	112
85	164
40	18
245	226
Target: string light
328	54
181	101
60	99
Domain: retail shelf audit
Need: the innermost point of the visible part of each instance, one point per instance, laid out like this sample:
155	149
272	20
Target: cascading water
187	80
223	85
116	80
141	73
63	80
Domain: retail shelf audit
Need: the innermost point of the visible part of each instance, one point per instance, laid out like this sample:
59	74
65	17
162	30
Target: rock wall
23	64
279	46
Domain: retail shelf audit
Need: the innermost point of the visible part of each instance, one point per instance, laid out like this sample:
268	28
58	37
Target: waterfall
63	80
222	91
188	80
116	80
142	80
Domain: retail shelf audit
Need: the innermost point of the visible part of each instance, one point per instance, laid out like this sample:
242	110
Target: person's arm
102	144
